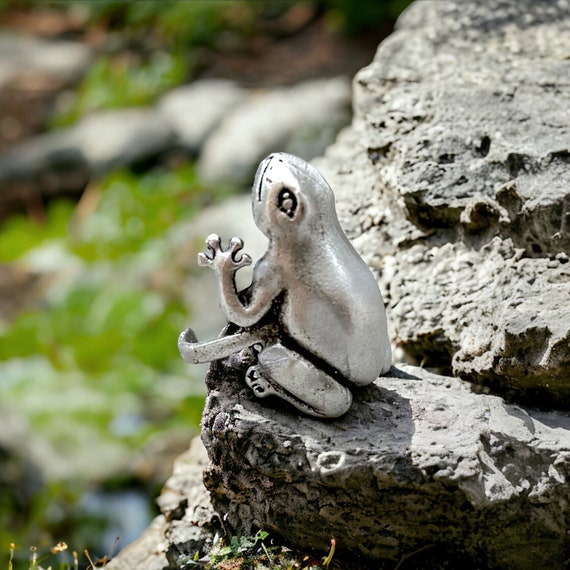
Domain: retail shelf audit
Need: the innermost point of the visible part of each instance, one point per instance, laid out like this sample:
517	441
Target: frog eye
287	202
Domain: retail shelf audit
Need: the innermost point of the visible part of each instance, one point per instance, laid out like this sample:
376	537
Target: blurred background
128	132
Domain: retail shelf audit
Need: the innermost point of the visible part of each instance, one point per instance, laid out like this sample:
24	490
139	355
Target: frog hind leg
284	373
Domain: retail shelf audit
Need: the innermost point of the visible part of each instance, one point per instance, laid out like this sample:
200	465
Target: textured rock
187	523
194	110
452	183
420	461
503	319
148	551
302	119
461	136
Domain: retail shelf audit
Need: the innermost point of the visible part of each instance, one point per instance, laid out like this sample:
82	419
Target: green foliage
364	15
132	210
19	234
248	552
237	546
188	24
96	371
156	51
95	329
125	80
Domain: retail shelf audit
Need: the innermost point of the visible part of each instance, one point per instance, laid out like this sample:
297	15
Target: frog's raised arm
265	288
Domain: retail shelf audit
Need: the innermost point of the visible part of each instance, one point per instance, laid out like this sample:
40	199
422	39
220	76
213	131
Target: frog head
289	195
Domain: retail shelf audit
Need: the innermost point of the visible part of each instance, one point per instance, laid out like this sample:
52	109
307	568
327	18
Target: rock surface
454	183
33	72
187	523
421	465
419	461
20	54
195	110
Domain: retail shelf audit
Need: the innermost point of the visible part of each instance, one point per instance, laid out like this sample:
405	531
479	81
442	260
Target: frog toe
238	257
260	386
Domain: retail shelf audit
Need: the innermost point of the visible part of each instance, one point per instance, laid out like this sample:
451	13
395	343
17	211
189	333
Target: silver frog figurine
313	314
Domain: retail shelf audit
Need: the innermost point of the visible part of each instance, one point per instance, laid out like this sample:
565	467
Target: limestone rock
422	465
420	461
148	551
112	139
302	119
498	312
454	183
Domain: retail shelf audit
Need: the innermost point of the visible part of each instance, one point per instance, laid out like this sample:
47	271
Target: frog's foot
285	374
260	386
230	260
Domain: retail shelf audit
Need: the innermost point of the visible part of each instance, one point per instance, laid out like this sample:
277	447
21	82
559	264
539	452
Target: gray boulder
194	110
454	183
21	54
63	160
303	119
230	128
112	139
422	467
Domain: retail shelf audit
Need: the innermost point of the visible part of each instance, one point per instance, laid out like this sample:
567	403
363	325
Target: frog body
330	329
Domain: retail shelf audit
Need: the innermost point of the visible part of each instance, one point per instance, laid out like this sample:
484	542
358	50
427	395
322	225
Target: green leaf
19	233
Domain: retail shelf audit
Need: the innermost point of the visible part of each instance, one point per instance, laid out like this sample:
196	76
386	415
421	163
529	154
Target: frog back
334	309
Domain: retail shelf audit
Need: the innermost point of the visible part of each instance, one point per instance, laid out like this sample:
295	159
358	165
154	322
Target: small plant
328	558
35	560
246	553
101	562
